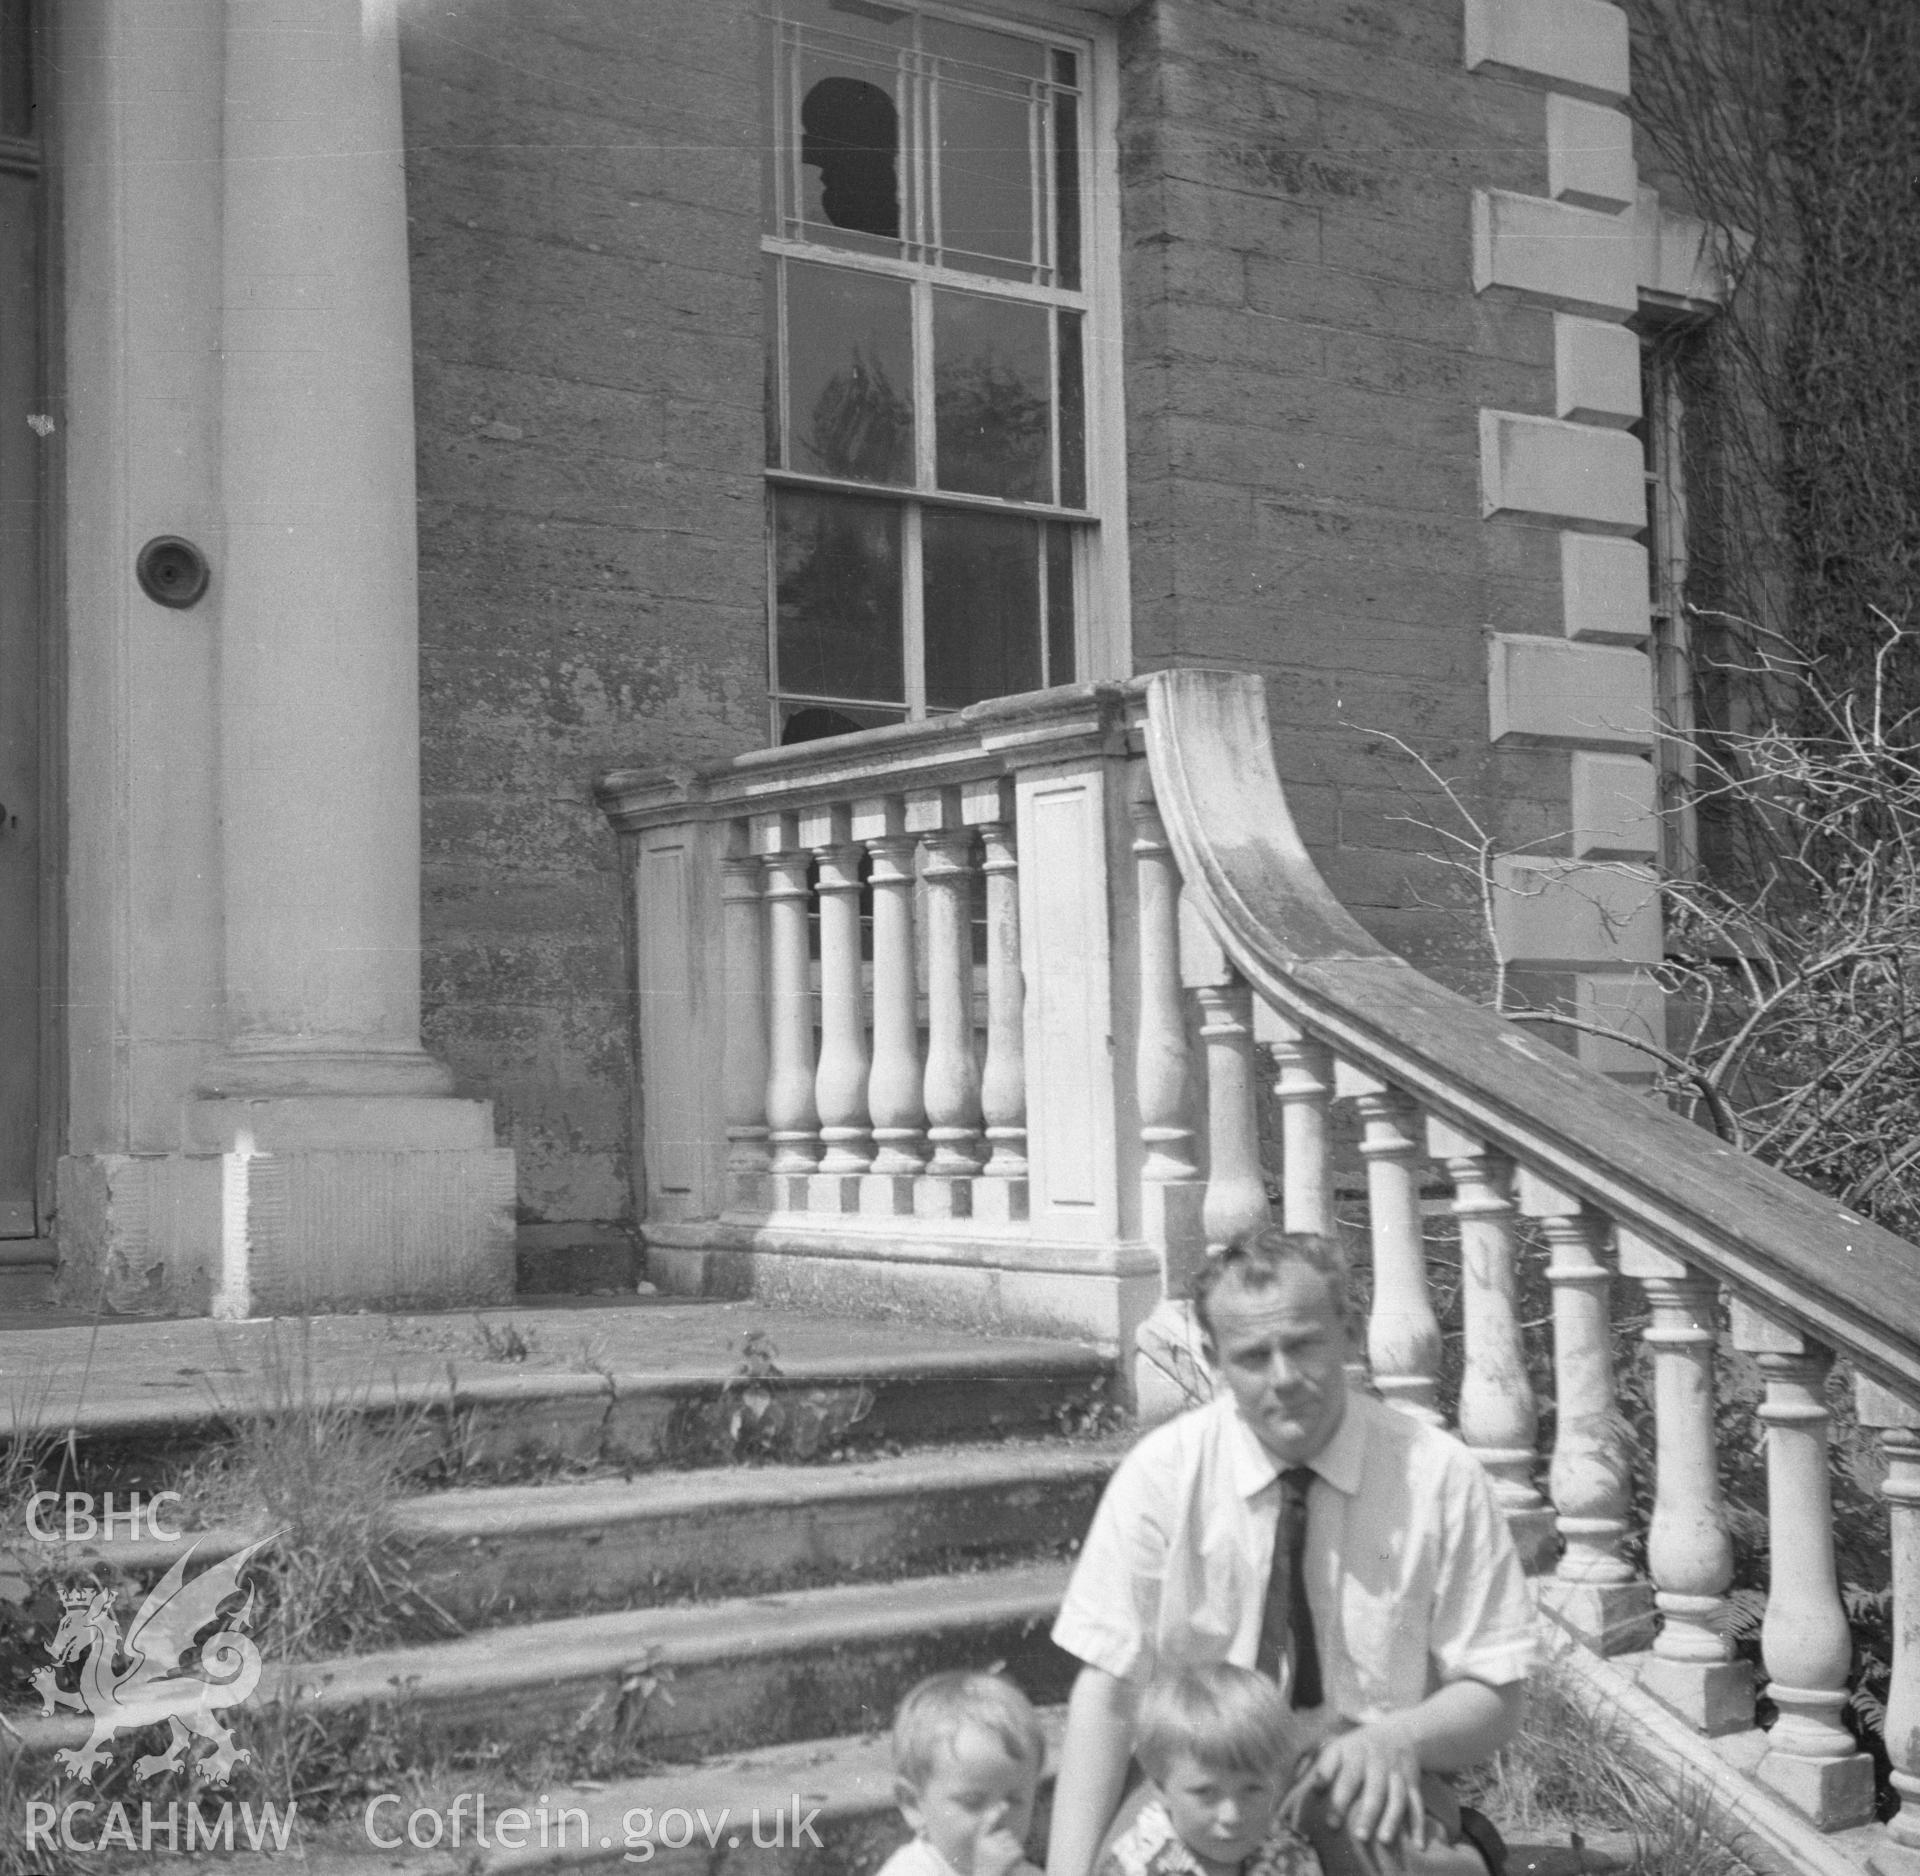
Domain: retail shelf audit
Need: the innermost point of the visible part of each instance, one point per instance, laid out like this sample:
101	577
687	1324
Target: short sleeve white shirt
1411	1576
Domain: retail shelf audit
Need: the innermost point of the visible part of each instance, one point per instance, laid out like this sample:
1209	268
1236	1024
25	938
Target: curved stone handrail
1778	1243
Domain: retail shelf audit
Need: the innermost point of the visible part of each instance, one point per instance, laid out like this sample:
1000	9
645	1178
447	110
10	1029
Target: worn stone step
512	1553
801	1809
679	1684
485	1396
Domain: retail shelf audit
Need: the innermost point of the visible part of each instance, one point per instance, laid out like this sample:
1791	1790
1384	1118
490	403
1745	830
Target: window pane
803	722
849	149
849	374
990	392
770	325
837	597
1073	415
982	595
1066	186
1002	60
1060	634
16	69
986	180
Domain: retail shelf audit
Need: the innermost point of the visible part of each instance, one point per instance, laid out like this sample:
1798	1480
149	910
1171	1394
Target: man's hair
1257	1263
1224	1718
934	1712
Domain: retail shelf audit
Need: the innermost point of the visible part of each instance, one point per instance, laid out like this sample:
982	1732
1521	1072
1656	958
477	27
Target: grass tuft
1568	1775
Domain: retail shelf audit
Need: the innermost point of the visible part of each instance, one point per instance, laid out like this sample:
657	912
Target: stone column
319	660
376	1186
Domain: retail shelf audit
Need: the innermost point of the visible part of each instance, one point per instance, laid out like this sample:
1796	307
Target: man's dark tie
1286	1623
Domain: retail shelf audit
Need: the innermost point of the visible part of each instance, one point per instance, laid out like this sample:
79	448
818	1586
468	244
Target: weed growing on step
1570	1775
503	1341
762	1416
326	1468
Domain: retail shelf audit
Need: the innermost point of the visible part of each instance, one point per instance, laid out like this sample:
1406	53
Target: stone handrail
1613	1183
1831	1272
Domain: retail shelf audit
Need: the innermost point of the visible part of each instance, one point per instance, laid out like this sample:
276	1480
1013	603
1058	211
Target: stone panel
1604	589
1589	155
1568	471
1573	45
1596	372
1572	259
1547	691
1614	802
1561	914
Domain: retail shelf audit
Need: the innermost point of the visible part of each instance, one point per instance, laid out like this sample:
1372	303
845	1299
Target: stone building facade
525	370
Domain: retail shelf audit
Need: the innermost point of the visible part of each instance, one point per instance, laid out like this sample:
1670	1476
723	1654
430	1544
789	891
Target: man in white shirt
1421	1630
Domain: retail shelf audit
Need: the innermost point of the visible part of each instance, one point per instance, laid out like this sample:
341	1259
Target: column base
275	1073
1834	1794
1713	1697
293	1205
1611	1618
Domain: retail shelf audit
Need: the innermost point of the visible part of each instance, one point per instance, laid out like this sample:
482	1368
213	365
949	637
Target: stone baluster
1303	1087
1498	1418
1172	1370
894	1105
1171	1188
1236	1206
1804	1640
1899	1424
952	1090
744	1061
840	1075
1689	1549
1593	1590
1003	1079
792	1119
1403	1334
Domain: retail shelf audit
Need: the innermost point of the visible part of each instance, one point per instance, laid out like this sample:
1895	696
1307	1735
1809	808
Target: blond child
1219	1745
967	1758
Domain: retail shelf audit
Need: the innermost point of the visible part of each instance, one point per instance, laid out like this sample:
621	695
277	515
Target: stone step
680	1684
514	1553
487	1396
801	1809
791	1810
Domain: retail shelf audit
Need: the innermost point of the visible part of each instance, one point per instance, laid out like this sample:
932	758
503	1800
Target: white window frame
1103	639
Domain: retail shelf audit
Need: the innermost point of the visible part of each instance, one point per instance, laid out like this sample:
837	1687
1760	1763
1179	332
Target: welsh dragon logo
152	1686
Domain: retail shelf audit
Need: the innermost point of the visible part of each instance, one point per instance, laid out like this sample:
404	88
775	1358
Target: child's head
1219	1742
967	1757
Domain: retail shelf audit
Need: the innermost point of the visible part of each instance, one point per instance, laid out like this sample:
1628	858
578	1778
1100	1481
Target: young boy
967	1758
1218	1743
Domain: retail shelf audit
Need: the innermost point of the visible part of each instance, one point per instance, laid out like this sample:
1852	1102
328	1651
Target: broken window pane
837	597
982	597
849	374
991	397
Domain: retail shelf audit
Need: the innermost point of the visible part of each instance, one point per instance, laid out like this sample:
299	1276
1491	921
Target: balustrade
1082	1102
